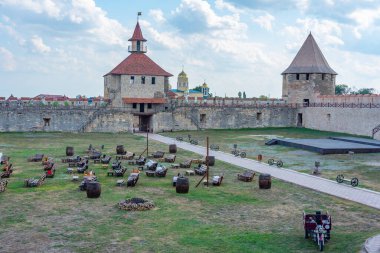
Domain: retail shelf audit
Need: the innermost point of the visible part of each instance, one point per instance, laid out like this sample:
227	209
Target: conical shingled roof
309	59
139	64
137	34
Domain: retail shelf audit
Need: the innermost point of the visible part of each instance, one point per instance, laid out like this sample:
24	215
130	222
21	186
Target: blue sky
66	46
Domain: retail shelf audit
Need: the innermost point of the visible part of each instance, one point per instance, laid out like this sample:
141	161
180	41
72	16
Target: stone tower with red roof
137	82
308	76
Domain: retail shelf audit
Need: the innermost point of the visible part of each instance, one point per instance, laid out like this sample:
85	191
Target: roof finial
138	14
182	68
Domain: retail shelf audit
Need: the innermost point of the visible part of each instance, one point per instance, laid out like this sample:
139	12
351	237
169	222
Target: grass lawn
366	167
235	217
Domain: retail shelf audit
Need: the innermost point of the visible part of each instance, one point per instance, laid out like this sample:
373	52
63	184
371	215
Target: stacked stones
136	204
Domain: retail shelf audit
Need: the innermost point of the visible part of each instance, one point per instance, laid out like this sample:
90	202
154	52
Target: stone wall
295	91
43	120
192	118
358	121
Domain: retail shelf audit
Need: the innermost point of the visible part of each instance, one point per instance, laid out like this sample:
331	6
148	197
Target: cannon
214	147
237	152
278	163
353	182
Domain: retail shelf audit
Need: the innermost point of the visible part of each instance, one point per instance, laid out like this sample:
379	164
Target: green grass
235	217
366	167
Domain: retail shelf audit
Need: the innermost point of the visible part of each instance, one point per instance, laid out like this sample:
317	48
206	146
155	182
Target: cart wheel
233	152
354	182
195	142
271	161
340	178
280	163
243	154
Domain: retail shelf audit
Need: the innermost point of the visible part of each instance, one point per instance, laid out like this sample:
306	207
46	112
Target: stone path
359	195
372	245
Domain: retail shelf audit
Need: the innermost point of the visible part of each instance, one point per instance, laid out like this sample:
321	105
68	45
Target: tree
244	96
198	88
263	98
364	91
239	94
342	89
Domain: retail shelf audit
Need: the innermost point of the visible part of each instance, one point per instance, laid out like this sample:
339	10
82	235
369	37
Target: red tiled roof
171	94
25	98
2	98
139	64
144	100
12	98
50	96
137	34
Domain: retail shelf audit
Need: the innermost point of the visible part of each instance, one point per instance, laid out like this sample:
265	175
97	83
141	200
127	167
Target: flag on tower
139	13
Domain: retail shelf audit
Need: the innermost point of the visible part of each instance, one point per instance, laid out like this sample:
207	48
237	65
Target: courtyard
234	217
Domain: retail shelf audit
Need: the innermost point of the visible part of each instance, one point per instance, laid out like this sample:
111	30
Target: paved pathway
372	245
359	195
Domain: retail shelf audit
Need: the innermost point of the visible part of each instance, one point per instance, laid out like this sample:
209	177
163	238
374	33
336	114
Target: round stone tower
308	76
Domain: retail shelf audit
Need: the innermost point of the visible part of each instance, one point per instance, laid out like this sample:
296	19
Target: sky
66	46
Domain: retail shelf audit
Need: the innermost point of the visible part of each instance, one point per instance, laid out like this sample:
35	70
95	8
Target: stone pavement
359	195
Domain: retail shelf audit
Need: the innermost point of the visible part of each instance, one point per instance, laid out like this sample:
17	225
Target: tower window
259	116
132	80
143	80
153	80
307	76
297	76
149	106
134	105
323	76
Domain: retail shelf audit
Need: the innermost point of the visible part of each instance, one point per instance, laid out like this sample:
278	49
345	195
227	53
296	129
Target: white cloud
79	12
329	31
49	7
264	21
7	61
166	39
364	18
302	5
157	15
39	45
200	13
222	5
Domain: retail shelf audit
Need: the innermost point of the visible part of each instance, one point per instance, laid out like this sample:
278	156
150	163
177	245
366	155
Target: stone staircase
375	130
86	125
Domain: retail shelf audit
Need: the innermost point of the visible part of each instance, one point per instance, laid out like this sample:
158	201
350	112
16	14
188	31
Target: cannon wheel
179	138
340	178
194	142
354	182
271	161
279	163
233	152
243	154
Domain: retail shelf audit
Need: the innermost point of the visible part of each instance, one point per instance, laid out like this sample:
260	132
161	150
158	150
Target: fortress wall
349	99
33	120
359	121
224	118
112	121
